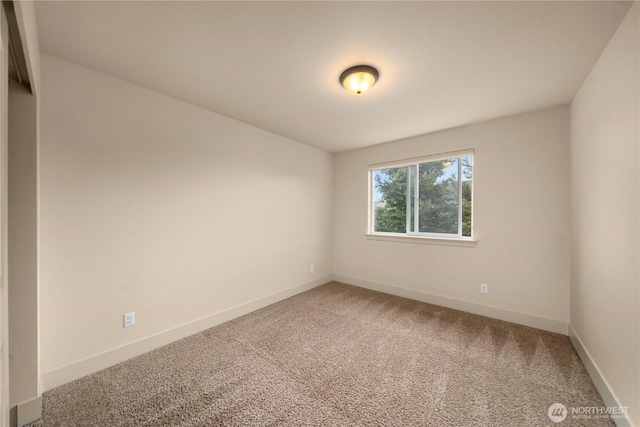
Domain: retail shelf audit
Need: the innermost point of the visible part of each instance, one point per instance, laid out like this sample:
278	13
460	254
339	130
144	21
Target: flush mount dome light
359	78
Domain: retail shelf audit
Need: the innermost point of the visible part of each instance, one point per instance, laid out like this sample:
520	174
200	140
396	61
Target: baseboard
608	396
95	363
26	412
525	319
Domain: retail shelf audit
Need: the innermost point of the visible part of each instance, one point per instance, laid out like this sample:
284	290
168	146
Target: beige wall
152	205
23	245
24	367
605	138
27	27
521	223
4	297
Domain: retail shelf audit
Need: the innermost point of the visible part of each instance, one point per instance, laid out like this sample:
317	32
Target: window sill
402	238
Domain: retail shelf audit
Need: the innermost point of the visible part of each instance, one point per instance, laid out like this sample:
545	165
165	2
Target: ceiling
275	65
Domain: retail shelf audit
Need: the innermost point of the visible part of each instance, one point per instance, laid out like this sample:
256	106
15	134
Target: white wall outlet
312	268
129	319
484	288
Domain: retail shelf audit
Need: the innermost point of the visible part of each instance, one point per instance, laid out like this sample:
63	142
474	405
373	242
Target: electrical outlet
129	319
484	288
312	268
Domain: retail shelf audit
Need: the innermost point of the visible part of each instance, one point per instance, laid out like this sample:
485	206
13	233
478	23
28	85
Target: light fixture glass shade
359	78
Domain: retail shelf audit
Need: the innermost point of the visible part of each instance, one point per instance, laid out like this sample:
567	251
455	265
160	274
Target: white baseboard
26	412
608	396
552	325
97	362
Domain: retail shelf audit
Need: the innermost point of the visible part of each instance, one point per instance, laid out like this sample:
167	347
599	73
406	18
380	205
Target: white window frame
415	236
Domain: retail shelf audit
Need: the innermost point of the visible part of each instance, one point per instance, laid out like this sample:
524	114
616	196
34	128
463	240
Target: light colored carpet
338	355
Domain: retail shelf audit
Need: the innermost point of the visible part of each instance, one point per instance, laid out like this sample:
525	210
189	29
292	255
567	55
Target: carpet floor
338	355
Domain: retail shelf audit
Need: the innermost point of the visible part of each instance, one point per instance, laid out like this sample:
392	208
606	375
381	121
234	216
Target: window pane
390	200
467	182
411	196
438	196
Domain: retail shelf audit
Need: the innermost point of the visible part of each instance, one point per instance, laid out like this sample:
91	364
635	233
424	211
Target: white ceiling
276	65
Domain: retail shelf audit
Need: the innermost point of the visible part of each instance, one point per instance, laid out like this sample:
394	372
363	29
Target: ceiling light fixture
359	78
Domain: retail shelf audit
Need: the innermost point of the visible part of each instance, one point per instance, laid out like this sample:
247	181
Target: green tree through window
431	197
391	206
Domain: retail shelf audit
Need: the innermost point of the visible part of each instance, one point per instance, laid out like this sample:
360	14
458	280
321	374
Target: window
426	197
